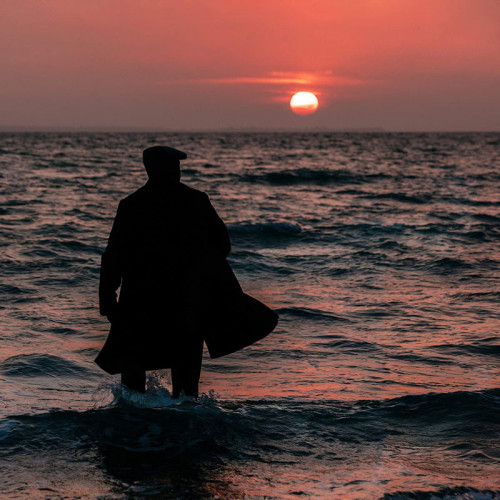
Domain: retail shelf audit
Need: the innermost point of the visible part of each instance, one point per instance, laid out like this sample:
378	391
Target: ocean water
379	251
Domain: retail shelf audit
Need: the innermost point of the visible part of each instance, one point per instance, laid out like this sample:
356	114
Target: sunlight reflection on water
380	252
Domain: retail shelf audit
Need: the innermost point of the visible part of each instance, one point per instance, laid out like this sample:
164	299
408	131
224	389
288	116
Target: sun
304	103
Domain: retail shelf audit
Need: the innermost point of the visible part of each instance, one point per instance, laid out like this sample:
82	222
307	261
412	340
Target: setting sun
304	103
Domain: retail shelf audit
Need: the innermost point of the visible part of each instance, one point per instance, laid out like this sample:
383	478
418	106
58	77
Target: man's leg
134	379
186	373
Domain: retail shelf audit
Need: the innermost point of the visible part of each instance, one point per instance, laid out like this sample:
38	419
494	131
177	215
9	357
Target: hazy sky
211	64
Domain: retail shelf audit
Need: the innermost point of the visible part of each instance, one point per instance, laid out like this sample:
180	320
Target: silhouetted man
167	250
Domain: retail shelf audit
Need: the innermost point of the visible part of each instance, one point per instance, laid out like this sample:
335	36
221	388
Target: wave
152	440
446	265
488	347
404	198
309	176
41	365
264	230
447	493
449	263
486	218
209	416
415	358
12	293
477	296
311	314
471	202
347	345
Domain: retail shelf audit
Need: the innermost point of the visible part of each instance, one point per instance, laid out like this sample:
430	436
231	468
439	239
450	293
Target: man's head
163	163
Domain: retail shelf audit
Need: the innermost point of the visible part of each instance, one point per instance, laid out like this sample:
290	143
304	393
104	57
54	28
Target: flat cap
163	153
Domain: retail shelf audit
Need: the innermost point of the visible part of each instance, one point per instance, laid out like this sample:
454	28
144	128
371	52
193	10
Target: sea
379	251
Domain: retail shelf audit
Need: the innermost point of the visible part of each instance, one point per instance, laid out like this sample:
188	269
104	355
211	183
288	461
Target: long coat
167	251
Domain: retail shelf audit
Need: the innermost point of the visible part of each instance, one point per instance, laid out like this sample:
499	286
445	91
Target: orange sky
212	64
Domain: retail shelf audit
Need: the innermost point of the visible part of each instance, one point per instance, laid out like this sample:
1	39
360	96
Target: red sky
215	64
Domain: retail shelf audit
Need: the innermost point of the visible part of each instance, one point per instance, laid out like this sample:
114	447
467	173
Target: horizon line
110	129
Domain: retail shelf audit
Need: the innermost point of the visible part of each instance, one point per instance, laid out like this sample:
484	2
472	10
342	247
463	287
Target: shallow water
379	251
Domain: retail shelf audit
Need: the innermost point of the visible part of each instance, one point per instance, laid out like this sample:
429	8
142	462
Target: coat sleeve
111	268
217	234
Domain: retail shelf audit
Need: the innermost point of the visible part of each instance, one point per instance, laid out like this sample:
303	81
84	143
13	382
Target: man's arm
111	275
218	237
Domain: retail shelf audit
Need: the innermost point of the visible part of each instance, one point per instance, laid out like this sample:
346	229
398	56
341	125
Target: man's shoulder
134	197
143	194
189	191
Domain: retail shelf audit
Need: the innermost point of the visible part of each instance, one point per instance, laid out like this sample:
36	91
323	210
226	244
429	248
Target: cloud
270	80
321	79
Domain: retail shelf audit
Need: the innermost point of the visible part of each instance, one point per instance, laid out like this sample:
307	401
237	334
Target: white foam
112	393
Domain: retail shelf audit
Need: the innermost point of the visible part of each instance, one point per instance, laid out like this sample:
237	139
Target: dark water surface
379	251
